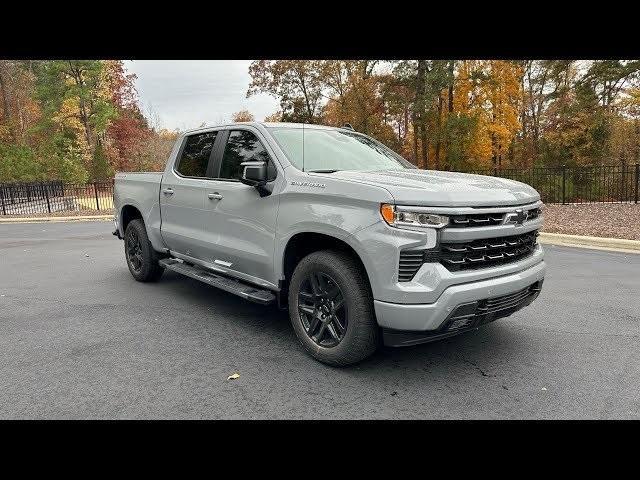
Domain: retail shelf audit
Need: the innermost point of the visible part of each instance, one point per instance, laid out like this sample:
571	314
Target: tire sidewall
356	308
147	256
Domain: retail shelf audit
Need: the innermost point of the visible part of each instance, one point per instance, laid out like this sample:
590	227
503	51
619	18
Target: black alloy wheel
134	250
322	309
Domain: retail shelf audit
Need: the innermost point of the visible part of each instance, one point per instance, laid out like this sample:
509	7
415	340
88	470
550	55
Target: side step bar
246	291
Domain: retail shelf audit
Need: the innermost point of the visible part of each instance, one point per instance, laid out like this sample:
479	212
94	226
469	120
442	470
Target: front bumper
432	318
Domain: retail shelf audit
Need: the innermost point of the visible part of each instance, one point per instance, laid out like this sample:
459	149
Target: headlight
405	217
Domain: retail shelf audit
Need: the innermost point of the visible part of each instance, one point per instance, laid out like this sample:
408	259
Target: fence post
95	189
637	177
46	194
564	183
4	210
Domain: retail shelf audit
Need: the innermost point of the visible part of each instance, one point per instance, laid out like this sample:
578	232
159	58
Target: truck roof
265	124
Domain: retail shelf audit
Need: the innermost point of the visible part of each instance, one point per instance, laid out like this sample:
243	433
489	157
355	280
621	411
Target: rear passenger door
183	195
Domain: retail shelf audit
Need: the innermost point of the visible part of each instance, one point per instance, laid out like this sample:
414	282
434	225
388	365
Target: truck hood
437	188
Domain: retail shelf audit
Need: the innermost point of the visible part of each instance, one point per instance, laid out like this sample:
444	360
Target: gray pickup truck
361	246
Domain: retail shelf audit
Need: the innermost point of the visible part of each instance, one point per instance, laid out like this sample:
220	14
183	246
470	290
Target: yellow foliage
489	91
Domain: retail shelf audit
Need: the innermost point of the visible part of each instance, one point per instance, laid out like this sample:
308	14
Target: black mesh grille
476	313
469	255
487	252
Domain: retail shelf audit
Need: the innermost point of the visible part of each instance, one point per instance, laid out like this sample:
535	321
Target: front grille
486	219
469	255
475	220
473	314
488	252
493	305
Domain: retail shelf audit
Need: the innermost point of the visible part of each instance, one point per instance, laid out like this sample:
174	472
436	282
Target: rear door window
194	159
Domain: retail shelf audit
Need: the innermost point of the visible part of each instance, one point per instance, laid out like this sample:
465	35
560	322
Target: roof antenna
349	127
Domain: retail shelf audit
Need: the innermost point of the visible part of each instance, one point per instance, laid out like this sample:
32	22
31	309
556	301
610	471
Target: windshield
332	150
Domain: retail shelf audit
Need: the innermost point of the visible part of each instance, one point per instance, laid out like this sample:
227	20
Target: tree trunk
6	105
451	80
424	145
421	113
450	110
415	139
438	132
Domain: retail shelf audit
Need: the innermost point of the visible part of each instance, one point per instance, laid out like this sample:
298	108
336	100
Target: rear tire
142	259
340	328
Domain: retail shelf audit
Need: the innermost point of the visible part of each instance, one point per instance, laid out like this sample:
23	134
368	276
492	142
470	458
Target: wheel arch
302	244
128	213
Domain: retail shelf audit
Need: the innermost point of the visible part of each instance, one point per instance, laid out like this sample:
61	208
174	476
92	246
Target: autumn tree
274	117
295	83
242	116
129	131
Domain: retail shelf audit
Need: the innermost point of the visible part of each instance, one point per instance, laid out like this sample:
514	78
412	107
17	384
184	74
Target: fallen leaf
233	376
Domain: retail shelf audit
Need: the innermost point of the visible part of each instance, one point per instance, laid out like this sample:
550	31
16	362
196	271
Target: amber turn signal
388	212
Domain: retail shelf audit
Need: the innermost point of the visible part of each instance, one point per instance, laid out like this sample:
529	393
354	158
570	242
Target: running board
246	291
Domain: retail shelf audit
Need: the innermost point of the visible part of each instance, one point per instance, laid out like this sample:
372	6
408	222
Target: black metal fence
618	183
598	184
43	198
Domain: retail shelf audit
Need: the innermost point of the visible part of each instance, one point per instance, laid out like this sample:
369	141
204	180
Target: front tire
331	308
142	259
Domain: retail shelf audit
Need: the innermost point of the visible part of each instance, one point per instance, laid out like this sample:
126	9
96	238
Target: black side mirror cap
255	174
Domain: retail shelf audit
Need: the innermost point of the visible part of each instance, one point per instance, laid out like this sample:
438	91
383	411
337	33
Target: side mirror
254	173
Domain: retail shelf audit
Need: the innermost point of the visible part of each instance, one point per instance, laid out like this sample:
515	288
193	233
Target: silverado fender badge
308	184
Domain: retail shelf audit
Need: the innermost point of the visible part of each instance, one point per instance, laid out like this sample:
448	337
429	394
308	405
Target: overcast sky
186	93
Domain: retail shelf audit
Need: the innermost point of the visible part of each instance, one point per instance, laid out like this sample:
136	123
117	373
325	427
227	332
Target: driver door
241	224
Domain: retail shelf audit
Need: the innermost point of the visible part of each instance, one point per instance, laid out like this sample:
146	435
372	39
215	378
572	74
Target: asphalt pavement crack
475	365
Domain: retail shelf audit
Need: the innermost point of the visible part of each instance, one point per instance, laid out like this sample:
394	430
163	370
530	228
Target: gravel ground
617	220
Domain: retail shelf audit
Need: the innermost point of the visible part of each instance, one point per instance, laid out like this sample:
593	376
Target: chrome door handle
168	191
215	196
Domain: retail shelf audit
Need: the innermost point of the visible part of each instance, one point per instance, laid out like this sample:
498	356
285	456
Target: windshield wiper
323	171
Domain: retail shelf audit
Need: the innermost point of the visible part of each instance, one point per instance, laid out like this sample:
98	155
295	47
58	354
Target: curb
79	218
597	243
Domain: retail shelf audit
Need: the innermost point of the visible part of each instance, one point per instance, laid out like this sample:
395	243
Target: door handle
168	191
215	196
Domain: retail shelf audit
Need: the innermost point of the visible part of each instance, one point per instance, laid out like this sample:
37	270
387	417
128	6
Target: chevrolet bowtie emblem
518	217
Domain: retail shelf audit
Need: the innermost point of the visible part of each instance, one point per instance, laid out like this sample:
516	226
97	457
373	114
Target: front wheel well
302	244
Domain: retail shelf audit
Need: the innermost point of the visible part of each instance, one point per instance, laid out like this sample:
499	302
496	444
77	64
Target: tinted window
195	155
242	146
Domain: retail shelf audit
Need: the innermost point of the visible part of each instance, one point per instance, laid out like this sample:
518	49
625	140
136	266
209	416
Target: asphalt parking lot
79	338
